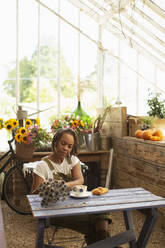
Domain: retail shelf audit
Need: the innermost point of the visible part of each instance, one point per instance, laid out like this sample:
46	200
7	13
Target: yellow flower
82	123
38	121
28	123
22	130
14	123
1	123
8	126
6	122
75	123
24	139
18	137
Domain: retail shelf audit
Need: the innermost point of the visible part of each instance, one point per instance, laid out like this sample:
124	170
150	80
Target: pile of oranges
149	134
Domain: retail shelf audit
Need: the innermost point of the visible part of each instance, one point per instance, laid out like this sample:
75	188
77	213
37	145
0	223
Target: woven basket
24	151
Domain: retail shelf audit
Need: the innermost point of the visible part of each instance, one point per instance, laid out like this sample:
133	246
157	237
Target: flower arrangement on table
81	126
30	133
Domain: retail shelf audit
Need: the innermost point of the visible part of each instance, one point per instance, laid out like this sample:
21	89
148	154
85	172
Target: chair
57	228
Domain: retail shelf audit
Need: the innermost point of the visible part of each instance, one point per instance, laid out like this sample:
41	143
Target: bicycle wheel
16	186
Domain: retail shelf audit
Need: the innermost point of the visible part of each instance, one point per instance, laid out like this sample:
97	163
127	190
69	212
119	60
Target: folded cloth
29	167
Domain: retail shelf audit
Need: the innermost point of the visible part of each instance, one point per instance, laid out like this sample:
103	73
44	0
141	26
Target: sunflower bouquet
30	133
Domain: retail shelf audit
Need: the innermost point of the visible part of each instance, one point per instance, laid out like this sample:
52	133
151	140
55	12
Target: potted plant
157	109
28	138
156	105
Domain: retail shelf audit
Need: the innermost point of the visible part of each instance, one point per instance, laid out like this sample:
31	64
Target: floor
20	230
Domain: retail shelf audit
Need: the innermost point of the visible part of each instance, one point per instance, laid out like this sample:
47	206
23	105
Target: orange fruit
155	138
139	134
158	133
147	134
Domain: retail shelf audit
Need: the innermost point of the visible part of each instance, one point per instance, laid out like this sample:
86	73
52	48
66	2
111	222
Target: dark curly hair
58	136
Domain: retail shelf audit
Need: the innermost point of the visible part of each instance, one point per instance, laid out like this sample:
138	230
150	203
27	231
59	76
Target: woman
63	164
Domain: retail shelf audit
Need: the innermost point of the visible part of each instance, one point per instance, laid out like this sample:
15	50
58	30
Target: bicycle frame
11	157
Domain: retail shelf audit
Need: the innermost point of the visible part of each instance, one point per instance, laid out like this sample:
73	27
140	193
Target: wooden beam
111	28
119	5
149	19
144	29
134	33
155	8
86	9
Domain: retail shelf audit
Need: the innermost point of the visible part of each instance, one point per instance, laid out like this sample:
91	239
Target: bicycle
14	184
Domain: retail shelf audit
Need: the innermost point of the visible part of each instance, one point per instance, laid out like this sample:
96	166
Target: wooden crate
135	123
115	124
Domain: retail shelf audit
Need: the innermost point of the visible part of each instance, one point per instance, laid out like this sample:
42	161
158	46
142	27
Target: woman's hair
58	136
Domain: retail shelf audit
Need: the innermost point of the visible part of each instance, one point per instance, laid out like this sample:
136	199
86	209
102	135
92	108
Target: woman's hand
37	181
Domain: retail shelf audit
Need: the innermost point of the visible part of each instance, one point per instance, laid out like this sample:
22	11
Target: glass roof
141	21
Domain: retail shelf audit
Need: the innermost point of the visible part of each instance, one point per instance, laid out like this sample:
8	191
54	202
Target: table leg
147	228
129	226
40	233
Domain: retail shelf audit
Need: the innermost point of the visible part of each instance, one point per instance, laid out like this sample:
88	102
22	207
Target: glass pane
110	75
7	58
143	96
128	89
28	24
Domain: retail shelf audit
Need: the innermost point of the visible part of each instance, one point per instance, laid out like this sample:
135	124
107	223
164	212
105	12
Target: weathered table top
114	200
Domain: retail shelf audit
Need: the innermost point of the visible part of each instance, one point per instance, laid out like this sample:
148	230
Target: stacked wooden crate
115	124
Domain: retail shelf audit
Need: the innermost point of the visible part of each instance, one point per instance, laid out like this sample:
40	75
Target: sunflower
14	123
18	137
75	123
28	123
1	123
8	126
24	139
6	122
38	121
22	130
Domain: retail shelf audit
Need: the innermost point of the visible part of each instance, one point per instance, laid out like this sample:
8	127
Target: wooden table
123	200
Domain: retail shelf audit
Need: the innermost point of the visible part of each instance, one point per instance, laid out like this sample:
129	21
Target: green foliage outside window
48	70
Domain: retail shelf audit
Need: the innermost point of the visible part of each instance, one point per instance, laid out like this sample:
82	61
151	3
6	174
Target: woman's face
65	145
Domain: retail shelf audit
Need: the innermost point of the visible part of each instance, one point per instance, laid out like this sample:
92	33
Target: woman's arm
76	175
37	180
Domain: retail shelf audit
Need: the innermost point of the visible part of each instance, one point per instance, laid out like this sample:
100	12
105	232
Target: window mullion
17	55
59	63
38	62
